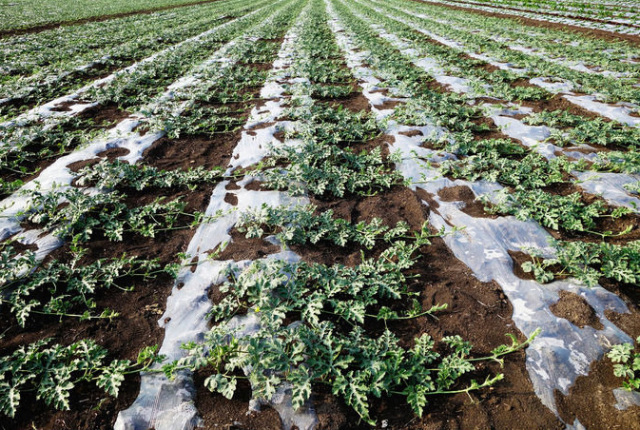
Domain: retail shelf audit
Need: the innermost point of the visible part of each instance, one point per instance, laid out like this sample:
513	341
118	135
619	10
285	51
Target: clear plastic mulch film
165	404
563	351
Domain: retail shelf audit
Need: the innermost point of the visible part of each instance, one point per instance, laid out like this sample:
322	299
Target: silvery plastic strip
185	317
563	351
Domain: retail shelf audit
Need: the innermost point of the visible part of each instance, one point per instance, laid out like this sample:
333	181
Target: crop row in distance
36	14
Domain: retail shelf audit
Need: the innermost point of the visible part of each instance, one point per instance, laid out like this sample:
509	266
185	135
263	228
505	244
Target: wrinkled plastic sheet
168	404
562	351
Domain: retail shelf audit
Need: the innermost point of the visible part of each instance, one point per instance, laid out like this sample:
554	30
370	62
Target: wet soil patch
574	308
191	151
411	133
558	102
462	193
220	413
355	102
240	248
592	402
103	116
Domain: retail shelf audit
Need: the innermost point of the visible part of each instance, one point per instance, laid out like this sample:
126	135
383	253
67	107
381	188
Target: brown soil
519	258
600	34
412	133
101	118
628	322
477	311
356	102
39	28
256	185
139	310
240	248
66	84
389	104
231	198
232	185
383	91
223	414
441	279
616	226
591	401
577	310
487	129
134	328
261	67
110	154
381	141
102	115
558	102
191	151
124	337
462	193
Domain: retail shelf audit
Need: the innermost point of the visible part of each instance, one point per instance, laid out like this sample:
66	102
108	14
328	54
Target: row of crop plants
36	13
33	142
530	173
579	221
304	321
619	19
120	225
598	55
567	130
606	88
602	10
316	323
40	67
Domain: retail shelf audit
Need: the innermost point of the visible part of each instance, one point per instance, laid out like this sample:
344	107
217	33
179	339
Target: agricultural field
320	214
30	15
617	16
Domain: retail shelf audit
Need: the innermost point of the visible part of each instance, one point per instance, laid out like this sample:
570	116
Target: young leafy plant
59	288
627	365
53	371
